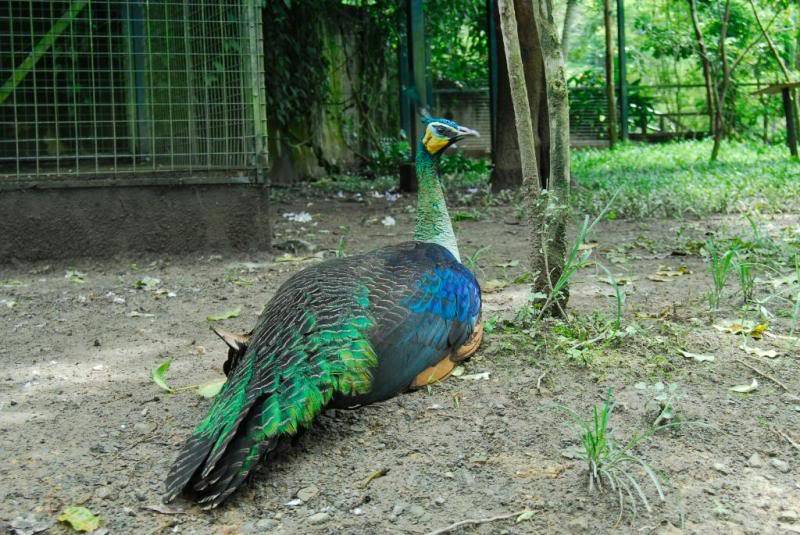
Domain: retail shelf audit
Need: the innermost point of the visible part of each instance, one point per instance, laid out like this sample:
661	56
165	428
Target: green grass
676	179
610	464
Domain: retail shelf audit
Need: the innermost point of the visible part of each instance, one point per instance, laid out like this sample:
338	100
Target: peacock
340	334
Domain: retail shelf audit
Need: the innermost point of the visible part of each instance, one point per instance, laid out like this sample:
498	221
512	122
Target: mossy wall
359	105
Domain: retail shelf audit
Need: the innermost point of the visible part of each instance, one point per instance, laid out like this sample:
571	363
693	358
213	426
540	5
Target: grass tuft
611	465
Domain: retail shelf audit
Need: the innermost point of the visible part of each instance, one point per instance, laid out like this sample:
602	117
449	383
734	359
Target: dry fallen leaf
697	356
768	353
745	389
527	515
228	314
756	331
476	376
493	285
666	273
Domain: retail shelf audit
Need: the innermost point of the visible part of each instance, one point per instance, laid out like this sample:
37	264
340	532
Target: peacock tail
346	332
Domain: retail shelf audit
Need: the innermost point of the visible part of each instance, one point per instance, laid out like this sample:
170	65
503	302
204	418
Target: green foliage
294	52
456	34
386	157
720	263
673	180
747	278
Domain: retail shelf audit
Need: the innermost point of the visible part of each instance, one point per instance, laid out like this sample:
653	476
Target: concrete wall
81	222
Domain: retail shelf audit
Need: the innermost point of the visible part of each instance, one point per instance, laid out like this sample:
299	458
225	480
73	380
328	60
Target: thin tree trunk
570	14
786	74
611	100
722	86
559	178
524	127
705	60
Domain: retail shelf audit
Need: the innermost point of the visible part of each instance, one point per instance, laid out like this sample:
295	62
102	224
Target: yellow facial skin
433	142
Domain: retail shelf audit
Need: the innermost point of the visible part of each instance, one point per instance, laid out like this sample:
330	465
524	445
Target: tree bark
722	86
705	60
611	100
538	93
559	178
506	172
525	135
570	14
519	96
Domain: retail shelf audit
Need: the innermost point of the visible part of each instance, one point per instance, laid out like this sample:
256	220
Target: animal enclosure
131	91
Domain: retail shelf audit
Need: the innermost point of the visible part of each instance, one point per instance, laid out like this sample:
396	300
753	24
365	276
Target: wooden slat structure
786	90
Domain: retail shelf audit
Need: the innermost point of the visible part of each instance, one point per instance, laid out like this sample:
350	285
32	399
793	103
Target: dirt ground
82	423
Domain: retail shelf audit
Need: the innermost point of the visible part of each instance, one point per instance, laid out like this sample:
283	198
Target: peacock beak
463	132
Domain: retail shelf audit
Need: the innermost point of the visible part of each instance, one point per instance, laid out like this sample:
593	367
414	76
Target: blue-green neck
433	220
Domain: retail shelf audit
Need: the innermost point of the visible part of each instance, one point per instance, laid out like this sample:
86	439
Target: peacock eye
441	130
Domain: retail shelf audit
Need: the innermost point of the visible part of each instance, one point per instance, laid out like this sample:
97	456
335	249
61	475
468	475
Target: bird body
343	333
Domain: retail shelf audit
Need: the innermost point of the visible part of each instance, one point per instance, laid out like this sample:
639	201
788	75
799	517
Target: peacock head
441	133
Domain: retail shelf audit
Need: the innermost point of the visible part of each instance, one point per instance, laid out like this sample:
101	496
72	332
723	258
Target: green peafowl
343	333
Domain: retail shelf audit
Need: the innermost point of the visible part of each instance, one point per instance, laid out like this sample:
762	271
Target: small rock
30	523
294	503
266	524
439	500
308	493
103	492
577	524
790	517
398	509
755	461
780	465
416	511
141	427
721	468
318	518
96	342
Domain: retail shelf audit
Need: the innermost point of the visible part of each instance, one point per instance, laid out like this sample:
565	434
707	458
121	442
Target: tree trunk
506	172
722	86
705	60
570	14
559	178
533	65
538	91
525	133
611	100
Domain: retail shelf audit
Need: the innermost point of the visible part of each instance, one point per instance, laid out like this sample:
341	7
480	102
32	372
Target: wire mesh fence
171	90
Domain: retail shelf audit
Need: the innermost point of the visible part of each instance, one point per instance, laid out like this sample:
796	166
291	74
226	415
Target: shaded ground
83	424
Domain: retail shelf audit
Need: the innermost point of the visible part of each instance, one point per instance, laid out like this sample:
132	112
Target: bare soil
82	423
